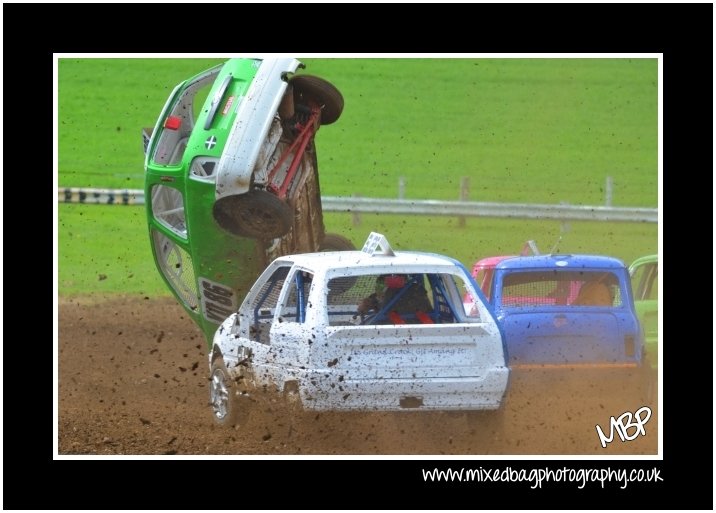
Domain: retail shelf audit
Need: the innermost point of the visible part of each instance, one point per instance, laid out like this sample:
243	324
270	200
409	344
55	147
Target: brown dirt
133	381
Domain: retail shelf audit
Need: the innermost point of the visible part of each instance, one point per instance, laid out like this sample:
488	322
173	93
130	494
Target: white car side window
296	304
264	306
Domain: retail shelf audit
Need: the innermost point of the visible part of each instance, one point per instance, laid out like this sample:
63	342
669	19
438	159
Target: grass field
522	130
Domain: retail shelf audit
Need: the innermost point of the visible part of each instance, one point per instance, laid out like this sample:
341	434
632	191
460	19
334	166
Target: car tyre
257	214
311	89
230	404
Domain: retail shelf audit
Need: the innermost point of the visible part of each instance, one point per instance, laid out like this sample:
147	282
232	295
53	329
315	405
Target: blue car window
546	288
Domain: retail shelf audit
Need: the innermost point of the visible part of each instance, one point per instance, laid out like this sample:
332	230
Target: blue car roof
561	261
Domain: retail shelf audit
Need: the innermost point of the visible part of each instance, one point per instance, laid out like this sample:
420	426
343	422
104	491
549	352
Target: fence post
464	196
564	226
356	215
608	191
401	187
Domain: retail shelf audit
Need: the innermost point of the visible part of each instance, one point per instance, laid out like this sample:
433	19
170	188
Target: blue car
569	322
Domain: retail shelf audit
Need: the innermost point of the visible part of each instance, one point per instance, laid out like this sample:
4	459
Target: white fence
357	205
100	196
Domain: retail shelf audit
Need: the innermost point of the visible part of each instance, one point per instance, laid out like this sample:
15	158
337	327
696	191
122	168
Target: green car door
644	273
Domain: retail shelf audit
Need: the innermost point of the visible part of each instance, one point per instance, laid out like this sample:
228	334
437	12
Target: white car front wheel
229	403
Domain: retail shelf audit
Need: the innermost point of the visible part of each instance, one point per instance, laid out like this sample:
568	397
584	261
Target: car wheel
229	406
310	89
257	214
335	242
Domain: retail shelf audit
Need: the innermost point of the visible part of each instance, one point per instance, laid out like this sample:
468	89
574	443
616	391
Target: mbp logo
623	423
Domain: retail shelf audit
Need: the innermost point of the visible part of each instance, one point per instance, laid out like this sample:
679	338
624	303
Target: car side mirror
146	137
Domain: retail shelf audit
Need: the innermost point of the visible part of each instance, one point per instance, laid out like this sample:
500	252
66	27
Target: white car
360	330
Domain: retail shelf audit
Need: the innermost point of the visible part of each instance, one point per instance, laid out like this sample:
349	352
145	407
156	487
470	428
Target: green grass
522	130
103	104
105	249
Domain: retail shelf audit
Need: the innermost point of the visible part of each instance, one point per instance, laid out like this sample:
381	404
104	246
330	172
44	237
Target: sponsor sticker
228	105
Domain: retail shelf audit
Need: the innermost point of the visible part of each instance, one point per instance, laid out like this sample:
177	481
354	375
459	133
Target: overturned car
231	177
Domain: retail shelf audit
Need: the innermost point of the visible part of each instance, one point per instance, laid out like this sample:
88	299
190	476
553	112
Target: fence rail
100	196
485	209
407	206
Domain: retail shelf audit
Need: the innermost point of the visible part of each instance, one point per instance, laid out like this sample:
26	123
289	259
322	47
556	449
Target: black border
683	33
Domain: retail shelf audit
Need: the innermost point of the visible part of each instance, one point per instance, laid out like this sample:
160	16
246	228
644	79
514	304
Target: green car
231	180
644	274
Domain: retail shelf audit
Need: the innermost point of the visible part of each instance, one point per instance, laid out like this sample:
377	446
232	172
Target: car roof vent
377	240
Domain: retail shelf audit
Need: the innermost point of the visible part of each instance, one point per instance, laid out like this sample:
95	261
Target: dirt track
133	380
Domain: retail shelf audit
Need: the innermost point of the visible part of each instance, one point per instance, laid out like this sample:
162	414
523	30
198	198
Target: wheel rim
220	394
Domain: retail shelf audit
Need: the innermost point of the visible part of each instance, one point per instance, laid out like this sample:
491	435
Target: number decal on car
217	300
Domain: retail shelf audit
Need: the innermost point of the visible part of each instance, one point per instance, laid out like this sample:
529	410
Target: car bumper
474	393
253	120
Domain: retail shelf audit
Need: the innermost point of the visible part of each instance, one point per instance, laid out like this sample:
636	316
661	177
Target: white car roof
360	260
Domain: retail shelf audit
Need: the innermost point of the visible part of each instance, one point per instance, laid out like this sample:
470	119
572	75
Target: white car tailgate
412	351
